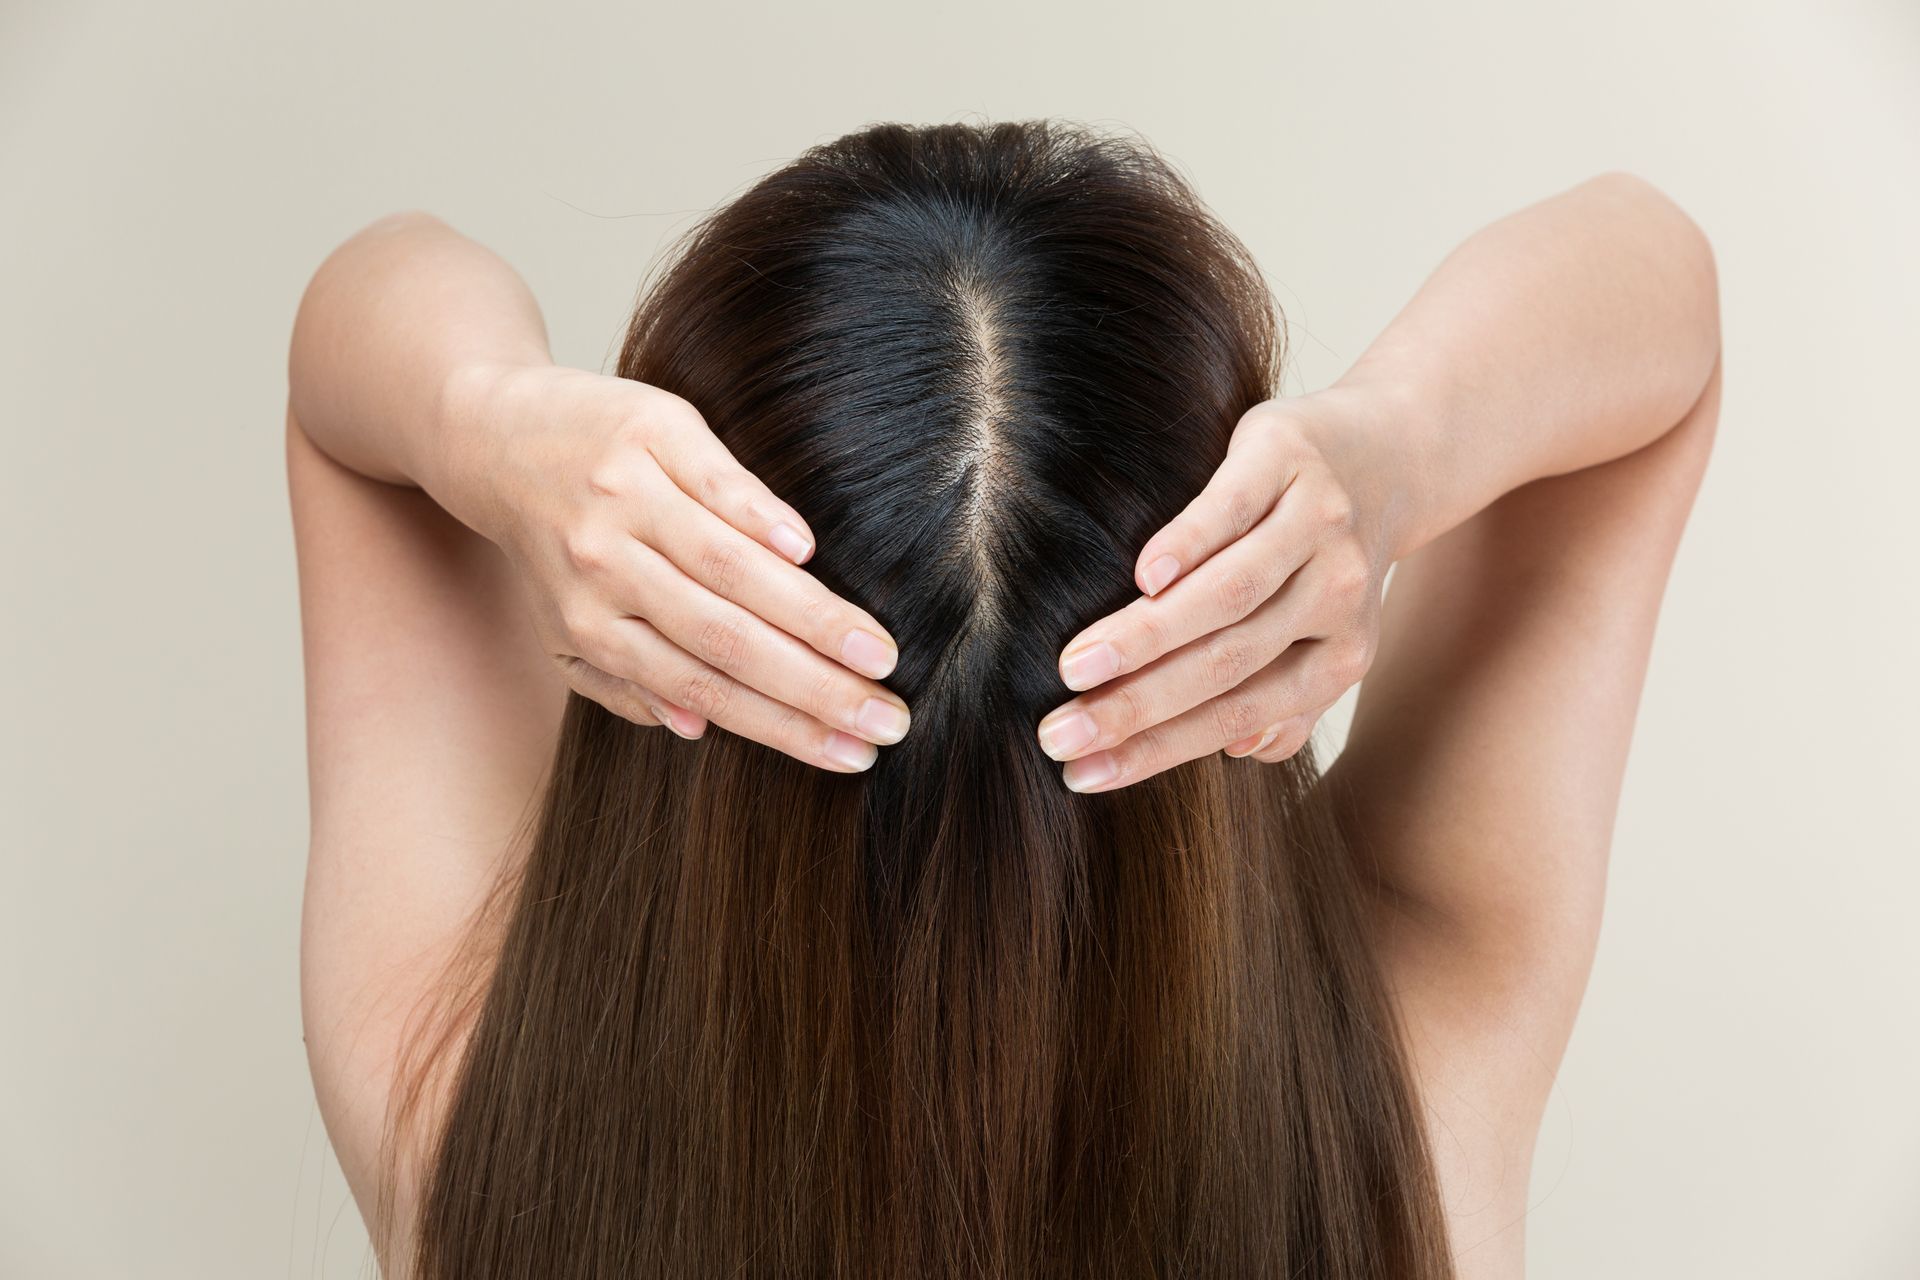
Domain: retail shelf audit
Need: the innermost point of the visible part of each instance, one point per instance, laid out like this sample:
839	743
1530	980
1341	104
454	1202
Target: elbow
368	242
337	278
1684	237
1686	254
402	220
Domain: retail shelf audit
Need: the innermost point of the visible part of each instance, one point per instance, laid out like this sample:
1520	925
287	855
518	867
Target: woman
829	993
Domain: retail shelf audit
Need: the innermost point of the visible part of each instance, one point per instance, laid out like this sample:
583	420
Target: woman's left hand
1261	606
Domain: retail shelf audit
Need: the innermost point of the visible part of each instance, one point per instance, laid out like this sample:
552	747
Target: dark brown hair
749	1018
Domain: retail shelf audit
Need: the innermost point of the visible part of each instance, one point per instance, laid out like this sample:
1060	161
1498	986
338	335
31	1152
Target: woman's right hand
663	576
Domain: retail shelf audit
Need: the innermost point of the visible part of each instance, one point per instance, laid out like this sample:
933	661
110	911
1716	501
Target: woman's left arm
1569	334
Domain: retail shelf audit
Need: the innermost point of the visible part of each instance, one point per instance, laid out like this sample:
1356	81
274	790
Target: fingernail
1090	773
1061	736
882	722
1248	746
788	542
1158	574
1087	667
672	718
868	654
848	751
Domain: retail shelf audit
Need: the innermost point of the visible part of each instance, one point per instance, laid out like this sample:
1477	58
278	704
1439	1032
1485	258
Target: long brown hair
944	1018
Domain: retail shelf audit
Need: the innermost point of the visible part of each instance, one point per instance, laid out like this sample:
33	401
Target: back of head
944	1018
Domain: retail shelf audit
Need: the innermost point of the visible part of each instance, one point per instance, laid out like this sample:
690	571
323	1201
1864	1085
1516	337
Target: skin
1523	357
1522	445
662	577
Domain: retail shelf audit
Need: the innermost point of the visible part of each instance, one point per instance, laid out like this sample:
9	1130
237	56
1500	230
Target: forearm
388	319
1569	334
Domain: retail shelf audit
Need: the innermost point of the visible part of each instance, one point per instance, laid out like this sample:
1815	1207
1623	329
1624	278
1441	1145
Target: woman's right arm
663	577
427	433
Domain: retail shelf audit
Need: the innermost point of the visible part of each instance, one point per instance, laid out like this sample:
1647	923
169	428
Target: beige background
1740	1098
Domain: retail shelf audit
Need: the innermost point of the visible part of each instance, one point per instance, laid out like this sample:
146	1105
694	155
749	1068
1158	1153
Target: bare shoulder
431	716
1480	782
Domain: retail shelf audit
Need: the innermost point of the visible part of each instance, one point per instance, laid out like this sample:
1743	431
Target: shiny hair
743	1017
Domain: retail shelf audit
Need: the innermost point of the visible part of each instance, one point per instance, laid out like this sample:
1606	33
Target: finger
1185	678
628	700
706	471
1220	592
633	644
728	638
1245	487
1291	738
1280	740
736	568
1308	674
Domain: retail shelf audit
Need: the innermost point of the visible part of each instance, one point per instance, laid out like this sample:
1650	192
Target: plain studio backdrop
1739	1098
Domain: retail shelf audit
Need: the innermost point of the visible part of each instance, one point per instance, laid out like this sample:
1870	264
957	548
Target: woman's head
943	1018
986	363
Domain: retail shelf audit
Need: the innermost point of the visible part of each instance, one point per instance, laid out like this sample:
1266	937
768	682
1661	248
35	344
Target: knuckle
586	550
597	687
823	694
719	490
611	475
1235	717
1142	634
634	430
581	677
1227	659
818	616
628	706
578	623
1368	643
1140	755
1261	419
1289	742
595	643
722	564
704	692
1237	508
1336	510
789	725
1350	663
669	412
722	642
1349	577
1239	591
1123	712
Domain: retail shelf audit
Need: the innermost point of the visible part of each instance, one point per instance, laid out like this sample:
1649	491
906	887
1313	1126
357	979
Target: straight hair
737	1016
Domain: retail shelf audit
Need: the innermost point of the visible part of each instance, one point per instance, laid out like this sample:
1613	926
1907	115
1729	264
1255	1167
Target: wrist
472	434
1378	435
